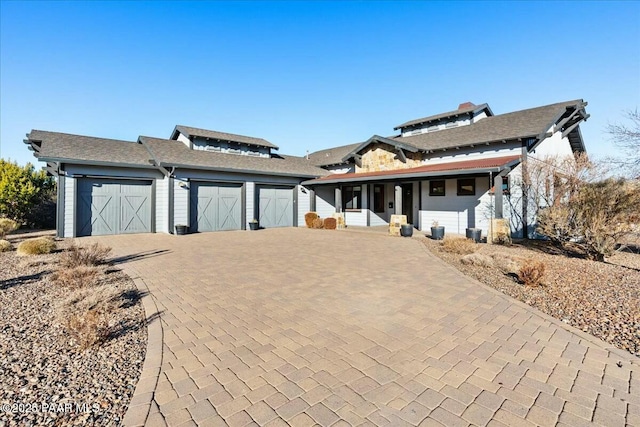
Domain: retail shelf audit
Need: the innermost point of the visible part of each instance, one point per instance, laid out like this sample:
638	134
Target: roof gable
466	108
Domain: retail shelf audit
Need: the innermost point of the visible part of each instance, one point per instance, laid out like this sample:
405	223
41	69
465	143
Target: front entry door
407	202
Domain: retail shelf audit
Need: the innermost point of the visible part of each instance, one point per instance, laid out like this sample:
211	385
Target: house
437	168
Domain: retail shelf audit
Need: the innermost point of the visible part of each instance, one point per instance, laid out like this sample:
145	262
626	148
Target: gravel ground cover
45	379
600	298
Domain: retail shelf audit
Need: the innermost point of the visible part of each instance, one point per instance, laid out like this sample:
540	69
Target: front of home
439	168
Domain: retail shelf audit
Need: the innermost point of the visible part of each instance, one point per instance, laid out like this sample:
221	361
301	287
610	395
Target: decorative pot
406	230
254	225
181	230
437	233
475	234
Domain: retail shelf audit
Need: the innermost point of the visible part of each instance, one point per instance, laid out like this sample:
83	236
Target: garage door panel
215	207
276	207
113	207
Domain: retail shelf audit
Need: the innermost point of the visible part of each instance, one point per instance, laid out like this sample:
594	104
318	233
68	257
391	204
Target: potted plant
253	224
437	231
406	230
181	229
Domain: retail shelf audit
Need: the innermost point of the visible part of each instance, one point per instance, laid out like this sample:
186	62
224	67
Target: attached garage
276	206
110	206
215	206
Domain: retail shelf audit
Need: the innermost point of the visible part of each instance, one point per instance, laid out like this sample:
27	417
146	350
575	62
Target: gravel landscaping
45	378
600	298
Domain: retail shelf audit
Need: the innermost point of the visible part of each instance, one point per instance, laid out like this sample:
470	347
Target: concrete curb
142	405
583	335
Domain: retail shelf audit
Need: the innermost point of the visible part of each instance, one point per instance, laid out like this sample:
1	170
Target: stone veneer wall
382	157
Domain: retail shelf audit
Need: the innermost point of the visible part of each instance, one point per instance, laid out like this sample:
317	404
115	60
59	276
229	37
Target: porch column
312	200
398	200
338	200
497	191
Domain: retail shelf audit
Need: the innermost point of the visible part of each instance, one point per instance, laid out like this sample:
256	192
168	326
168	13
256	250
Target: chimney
466	105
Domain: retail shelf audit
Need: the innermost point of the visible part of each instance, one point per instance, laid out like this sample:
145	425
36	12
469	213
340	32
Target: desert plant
459	245
7	226
330	223
531	273
594	217
88	328
477	260
36	246
309	217
317	223
5	246
92	255
76	277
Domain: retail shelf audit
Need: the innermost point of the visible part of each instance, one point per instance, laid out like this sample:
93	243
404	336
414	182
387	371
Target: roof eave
247	171
381	139
397	176
94	162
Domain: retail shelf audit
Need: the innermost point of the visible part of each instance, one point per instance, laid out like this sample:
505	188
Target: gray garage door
108	206
215	207
276	207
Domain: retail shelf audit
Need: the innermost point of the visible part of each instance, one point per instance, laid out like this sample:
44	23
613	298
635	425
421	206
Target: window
378	198
352	197
467	187
436	188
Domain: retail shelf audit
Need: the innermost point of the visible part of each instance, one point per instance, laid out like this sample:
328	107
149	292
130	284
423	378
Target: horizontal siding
358	219
69	203
180	202
456	213
304	204
325	197
162	205
250	191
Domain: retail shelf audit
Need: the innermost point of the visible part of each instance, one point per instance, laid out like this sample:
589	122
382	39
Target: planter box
254	226
475	234
406	230
181	230
437	233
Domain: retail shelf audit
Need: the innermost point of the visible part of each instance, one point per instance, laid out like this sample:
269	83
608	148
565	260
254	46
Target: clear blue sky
305	75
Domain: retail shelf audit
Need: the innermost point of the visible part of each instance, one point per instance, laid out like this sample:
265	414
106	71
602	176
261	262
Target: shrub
91	255
37	246
5	246
88	328
318	223
7	226
531	273
21	189
477	260
76	278
309	217
458	245
330	223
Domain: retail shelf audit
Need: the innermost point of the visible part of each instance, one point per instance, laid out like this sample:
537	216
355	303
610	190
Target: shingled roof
168	152
463	109
529	123
222	136
331	156
68	148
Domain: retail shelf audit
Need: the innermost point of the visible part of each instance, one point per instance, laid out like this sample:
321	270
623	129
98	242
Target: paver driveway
304	327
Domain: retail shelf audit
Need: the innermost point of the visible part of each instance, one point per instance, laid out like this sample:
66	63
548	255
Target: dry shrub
76	277
309	217
477	260
330	223
91	255
5	246
37	246
88	328
317	223
507	264
7	226
531	273
458	245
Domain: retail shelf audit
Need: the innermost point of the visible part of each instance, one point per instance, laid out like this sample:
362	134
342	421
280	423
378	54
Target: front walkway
302	327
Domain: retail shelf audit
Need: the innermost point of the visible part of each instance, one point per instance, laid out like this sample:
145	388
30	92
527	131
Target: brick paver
304	327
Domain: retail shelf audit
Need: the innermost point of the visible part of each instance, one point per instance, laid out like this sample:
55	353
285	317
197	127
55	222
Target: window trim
461	184
444	188
344	198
